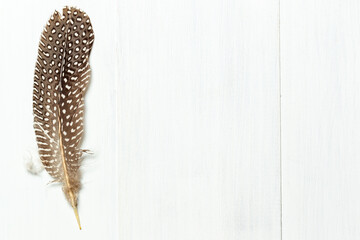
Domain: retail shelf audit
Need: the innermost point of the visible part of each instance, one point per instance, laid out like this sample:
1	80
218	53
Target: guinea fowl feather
62	73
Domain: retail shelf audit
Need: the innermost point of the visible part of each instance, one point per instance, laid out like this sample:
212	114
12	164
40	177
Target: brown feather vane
62	73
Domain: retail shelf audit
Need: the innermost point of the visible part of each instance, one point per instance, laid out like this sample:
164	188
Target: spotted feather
62	74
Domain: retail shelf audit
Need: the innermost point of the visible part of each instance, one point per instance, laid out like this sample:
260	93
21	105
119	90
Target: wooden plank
198	114
321	119
29	208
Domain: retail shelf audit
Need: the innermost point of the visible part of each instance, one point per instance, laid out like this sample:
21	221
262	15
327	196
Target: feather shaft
71	194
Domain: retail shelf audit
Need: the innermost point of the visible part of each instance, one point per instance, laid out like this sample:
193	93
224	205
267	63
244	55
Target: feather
62	73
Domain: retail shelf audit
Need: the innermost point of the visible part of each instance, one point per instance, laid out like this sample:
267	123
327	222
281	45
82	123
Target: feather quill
62	73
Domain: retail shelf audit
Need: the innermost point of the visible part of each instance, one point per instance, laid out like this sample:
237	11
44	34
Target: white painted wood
321	119
182	114
30	209
198	129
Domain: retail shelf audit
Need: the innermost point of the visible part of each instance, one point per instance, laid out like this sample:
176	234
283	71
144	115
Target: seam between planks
280	120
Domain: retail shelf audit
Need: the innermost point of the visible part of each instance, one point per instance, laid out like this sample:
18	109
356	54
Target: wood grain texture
182	113
198	117
321	119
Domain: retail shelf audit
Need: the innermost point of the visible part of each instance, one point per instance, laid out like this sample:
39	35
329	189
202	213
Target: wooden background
209	119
